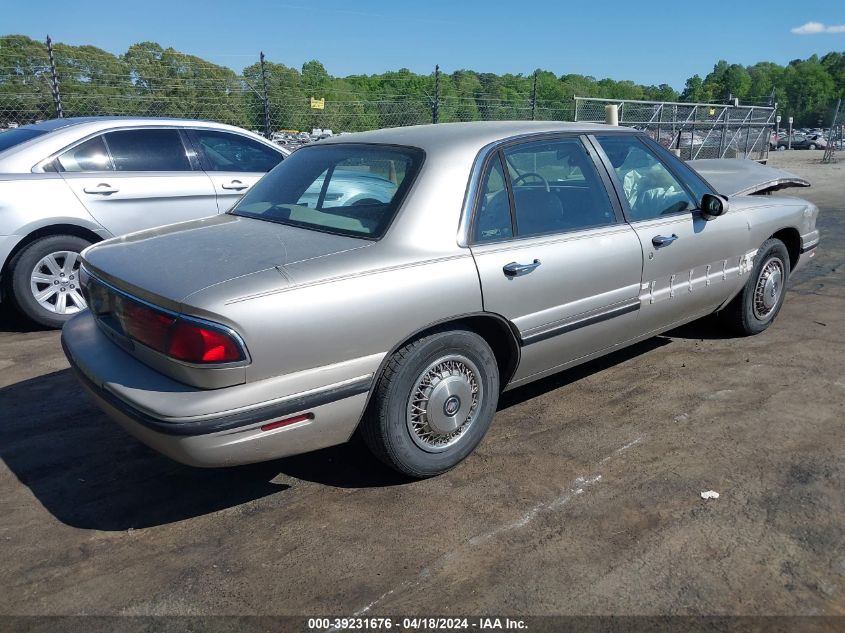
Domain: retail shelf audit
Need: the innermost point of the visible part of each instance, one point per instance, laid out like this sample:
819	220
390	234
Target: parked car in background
67	183
810	141
500	253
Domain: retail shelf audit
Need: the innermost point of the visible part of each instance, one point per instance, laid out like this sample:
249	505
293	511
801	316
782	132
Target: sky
647	42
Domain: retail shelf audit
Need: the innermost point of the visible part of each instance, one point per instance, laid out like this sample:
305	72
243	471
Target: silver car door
690	265
136	179
553	255
234	162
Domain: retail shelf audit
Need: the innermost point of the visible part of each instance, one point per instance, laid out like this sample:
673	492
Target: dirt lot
583	498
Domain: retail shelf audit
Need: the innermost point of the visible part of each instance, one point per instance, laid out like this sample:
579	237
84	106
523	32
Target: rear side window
231	152
90	155
147	150
556	188
345	188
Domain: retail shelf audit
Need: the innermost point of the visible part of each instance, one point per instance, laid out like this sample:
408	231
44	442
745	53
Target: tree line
149	79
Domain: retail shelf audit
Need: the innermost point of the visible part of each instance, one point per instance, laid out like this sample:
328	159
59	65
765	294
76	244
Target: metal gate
698	130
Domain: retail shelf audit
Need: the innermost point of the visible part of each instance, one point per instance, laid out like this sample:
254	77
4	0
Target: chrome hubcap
768	289
443	403
54	283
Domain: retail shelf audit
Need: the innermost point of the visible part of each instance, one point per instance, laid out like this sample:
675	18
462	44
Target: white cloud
812	28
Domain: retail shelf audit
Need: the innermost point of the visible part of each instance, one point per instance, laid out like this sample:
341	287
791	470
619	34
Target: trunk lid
177	260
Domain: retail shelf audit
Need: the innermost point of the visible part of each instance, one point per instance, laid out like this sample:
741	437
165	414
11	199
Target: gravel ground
583	499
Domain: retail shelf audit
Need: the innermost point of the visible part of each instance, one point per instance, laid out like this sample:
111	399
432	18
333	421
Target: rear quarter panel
348	309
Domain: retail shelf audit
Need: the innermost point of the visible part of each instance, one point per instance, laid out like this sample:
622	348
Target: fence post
54	81
435	107
264	99
534	97
748	131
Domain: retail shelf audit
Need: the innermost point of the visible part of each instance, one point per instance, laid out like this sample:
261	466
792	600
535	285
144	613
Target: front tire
433	403
756	306
44	279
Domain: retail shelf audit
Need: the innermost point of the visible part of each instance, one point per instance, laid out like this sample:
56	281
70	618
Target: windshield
17	136
346	188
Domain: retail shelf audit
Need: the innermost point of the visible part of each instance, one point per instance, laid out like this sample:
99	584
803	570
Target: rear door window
147	150
556	187
493	215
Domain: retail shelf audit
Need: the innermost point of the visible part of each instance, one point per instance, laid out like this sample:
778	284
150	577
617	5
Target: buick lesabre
495	254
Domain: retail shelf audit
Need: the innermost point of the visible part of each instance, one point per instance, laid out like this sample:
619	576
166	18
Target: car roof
56	124
470	136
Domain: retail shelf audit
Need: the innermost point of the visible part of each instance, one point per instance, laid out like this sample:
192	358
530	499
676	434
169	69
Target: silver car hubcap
768	289
54	283
444	402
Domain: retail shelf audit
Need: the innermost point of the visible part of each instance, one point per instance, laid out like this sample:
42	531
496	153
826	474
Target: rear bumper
224	437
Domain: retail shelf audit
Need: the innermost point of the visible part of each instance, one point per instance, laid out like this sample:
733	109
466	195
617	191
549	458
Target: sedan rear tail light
196	344
175	336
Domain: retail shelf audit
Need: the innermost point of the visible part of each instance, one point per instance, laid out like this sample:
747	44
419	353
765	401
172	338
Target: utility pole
264	98
534	97
54	81
435	107
834	136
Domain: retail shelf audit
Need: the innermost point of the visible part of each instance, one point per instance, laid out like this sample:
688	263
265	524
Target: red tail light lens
176	336
195	344
146	325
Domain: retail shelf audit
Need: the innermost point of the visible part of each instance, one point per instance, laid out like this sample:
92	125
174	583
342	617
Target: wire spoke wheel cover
444	402
54	283
768	288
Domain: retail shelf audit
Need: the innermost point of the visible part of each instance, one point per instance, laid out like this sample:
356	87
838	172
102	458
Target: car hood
167	264
740	177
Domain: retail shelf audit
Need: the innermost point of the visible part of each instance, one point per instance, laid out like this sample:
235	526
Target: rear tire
756	306
48	264
433	404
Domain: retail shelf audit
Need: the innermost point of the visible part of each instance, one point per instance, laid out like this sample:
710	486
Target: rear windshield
346	188
11	138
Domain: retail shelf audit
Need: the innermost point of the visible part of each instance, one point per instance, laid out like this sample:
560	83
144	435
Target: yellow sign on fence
318	104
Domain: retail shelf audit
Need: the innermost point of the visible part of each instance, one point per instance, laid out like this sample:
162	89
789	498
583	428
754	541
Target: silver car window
231	152
147	150
651	189
493	215
556	187
90	155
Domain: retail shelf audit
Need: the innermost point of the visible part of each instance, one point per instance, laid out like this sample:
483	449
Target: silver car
68	183
506	252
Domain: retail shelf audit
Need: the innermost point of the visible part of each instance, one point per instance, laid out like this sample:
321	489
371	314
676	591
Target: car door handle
660	241
514	268
103	188
237	185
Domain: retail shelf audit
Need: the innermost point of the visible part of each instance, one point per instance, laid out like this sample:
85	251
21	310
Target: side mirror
713	206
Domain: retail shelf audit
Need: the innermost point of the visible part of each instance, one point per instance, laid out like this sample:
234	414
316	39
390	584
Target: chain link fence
44	80
51	80
696	130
